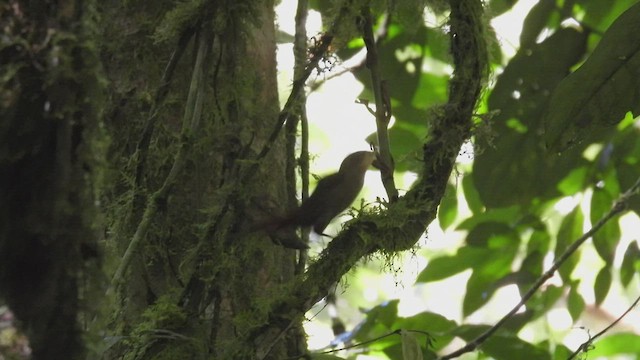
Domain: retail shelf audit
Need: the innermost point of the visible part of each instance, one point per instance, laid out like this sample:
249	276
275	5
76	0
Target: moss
162	325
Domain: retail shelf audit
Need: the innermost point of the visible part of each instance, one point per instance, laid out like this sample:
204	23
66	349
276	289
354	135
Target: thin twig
300	52
383	106
585	346
356	61
618	207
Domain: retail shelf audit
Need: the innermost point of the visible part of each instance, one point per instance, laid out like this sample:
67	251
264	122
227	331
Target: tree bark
200	276
51	93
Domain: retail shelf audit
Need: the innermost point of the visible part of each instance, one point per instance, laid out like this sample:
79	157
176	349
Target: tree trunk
50	93
190	112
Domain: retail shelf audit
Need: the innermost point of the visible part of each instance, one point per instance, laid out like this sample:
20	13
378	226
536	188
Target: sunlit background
339	126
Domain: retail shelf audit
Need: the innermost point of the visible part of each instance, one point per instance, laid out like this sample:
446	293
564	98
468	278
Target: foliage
558	123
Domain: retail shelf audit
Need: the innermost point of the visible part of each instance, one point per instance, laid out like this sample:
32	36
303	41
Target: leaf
630	263
507	215
484	279
379	321
514	168
448	208
603	284
492	234
325	357
498	7
410	346
615	344
543	301
435	324
606	239
570	230
503	345
575	302
601	14
561	352
574	181
602	90
471	194
447	266
535	22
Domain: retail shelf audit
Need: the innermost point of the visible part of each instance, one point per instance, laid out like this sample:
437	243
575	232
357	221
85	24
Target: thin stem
383	106
585	346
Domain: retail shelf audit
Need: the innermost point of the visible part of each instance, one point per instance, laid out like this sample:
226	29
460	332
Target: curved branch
618	207
414	211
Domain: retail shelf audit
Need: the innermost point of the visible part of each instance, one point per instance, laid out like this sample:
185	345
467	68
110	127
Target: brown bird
332	195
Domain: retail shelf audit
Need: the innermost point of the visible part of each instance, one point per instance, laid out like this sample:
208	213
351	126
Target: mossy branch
371	233
618	207
190	125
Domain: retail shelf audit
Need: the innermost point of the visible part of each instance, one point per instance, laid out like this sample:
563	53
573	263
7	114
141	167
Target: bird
332	195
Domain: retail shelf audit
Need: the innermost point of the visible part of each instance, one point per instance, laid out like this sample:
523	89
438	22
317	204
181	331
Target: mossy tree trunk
50	102
193	102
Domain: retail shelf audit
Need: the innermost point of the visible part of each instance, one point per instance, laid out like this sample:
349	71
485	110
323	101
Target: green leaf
543	301
436	325
448	208
601	14
630	263
503	345
616	344
379	321
514	167
570	230
498	7
606	239
574	181
325	357
603	284
539	243
471	194
492	234
575	302
561	352
602	90
485	279
446	266
410	346
507	215
536	21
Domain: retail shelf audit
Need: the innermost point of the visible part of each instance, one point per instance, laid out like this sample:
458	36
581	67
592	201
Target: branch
317	53
383	106
190	125
300	54
413	212
585	346
357	60
618	207
142	147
